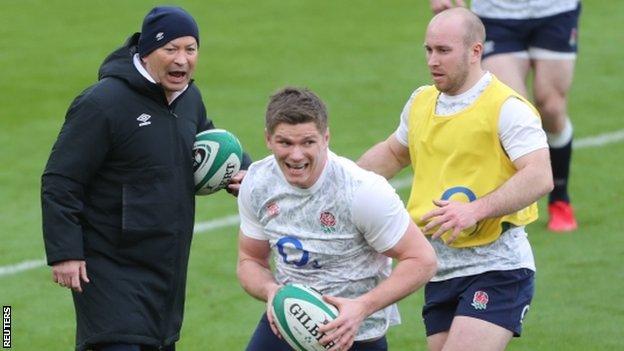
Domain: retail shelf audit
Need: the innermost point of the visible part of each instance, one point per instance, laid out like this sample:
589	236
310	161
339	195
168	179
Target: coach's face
300	151
173	64
448	58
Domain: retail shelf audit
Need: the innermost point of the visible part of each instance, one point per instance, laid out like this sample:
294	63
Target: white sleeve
520	129
401	131
379	214
250	225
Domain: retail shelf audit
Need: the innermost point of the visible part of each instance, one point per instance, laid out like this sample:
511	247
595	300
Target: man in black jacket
117	193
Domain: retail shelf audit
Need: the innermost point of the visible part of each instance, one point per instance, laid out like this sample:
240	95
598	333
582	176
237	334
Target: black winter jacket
118	192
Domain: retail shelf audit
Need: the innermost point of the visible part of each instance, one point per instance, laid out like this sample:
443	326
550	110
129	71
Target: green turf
363	58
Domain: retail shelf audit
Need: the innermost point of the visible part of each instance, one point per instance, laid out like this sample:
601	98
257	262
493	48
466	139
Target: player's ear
326	136
476	52
267	137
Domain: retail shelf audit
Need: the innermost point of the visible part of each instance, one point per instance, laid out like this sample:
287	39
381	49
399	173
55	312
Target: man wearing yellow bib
481	161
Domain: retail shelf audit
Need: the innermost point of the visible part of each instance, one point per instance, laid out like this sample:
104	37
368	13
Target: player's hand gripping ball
298	311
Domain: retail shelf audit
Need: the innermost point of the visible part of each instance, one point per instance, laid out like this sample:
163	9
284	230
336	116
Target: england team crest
480	300
328	222
273	209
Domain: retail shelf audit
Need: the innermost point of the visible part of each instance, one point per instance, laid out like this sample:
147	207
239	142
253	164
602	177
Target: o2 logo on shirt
451	194
459	190
292	252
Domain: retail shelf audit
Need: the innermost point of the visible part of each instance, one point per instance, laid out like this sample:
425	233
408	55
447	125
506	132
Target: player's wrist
480	209
367	304
270	290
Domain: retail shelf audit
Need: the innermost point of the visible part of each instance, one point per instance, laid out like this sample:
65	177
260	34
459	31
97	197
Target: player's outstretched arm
416	265
386	158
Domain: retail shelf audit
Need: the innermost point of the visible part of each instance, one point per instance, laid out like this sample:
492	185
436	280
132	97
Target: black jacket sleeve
78	153
61	205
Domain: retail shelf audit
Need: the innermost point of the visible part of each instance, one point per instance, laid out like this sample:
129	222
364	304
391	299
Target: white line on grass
227	221
599	140
20	267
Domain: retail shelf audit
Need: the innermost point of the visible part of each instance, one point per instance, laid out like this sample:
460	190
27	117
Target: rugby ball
298	311
217	156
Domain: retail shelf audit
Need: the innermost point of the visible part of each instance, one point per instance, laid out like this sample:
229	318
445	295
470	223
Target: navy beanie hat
164	24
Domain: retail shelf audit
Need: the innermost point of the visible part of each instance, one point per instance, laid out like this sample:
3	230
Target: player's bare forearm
532	181
386	158
407	277
416	266
253	269
256	280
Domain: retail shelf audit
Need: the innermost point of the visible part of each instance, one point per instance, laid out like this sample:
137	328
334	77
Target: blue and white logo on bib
459	190
462	193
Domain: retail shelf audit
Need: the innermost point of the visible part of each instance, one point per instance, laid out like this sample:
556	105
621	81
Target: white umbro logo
144	119
160	36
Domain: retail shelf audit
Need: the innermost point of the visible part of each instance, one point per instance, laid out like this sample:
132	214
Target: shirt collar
137	64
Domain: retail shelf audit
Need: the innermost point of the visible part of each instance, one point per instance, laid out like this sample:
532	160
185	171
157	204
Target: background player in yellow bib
480	161
538	37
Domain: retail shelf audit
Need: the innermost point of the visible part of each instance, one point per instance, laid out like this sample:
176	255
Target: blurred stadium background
364	58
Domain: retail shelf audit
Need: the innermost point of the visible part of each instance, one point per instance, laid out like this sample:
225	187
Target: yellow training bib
459	157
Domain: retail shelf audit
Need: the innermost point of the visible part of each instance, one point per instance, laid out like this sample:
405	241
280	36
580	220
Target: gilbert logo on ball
298	312
217	156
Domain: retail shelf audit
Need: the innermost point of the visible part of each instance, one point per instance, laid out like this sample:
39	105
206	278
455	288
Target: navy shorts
557	33
499	297
263	339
